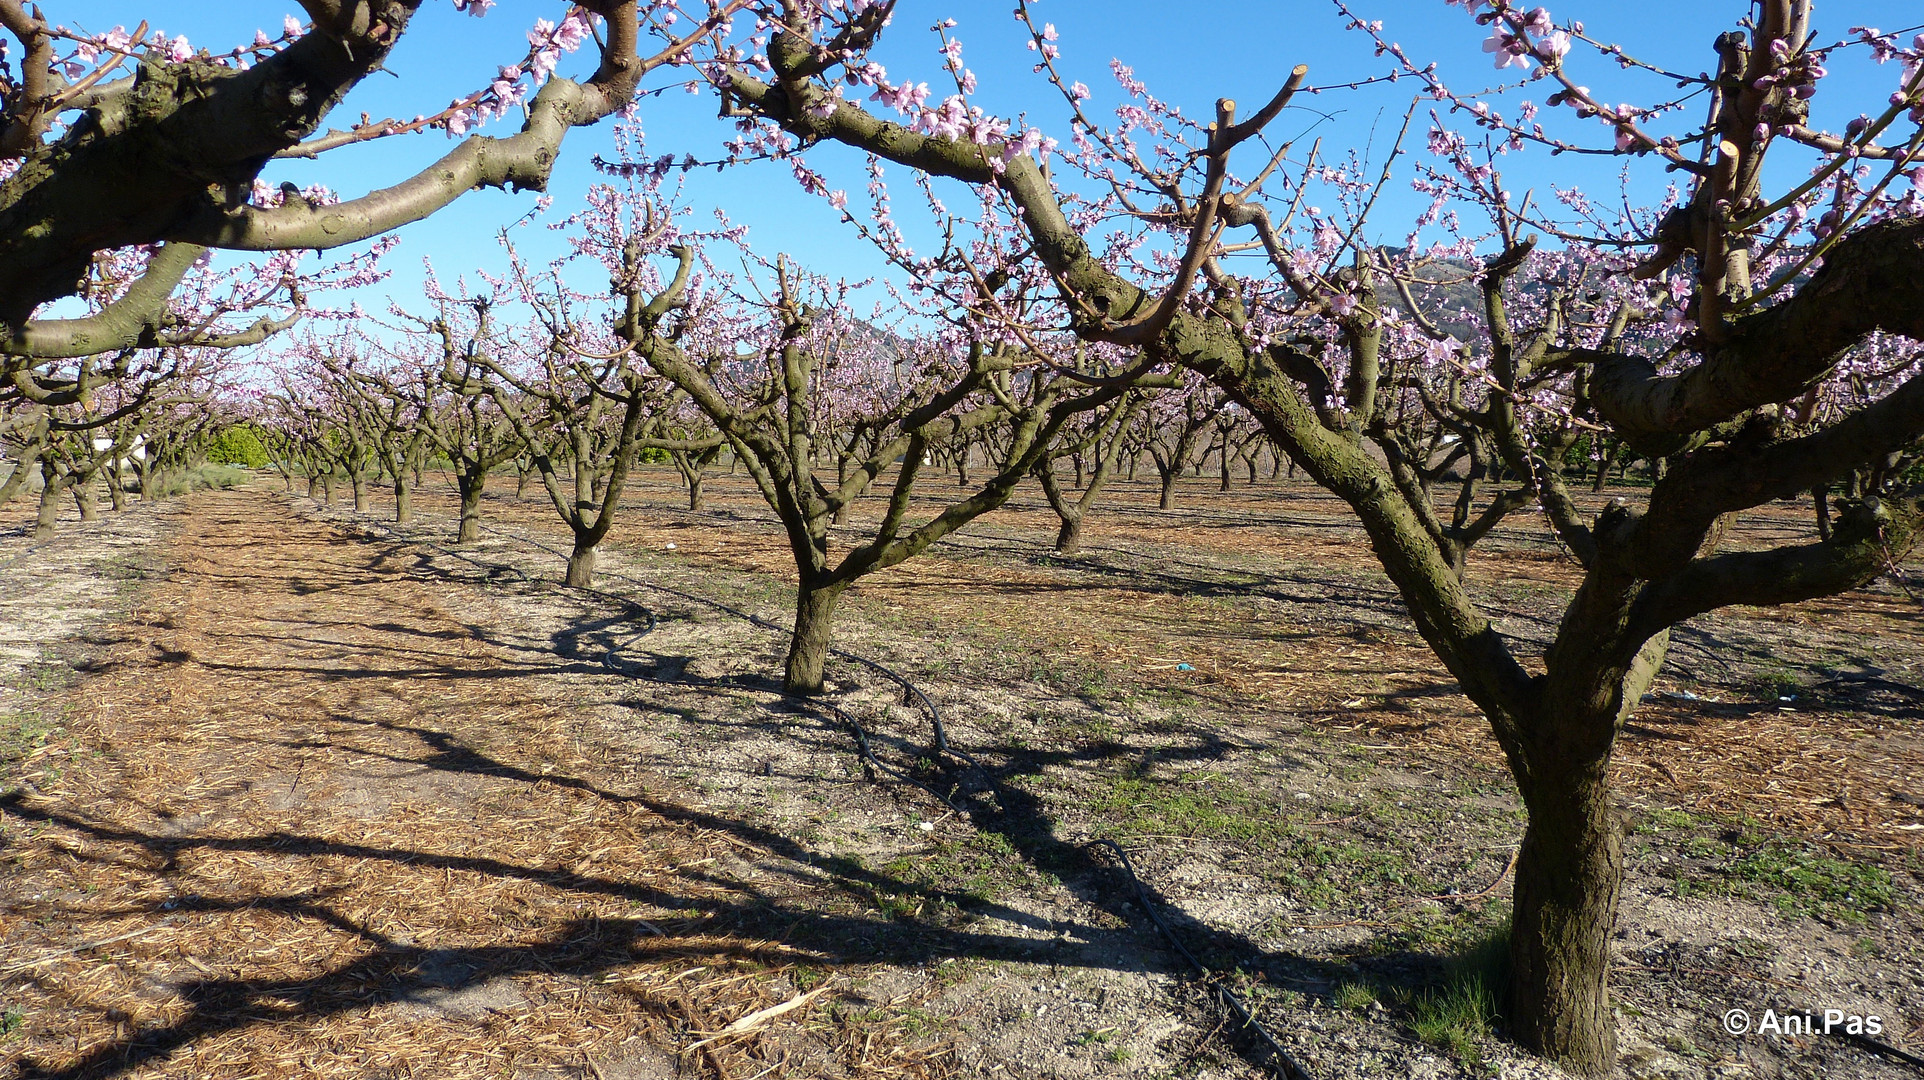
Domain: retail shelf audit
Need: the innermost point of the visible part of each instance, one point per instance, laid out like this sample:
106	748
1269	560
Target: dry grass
1830	774
313	824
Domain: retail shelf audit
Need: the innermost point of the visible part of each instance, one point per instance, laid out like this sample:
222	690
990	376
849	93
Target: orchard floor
291	792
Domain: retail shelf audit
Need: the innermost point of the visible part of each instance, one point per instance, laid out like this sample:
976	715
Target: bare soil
331	798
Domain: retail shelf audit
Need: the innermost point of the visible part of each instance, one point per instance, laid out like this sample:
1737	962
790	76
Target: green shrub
238	445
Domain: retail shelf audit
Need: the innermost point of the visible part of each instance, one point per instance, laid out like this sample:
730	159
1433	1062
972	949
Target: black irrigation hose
1876	1046
1286	1064
8	565
911	693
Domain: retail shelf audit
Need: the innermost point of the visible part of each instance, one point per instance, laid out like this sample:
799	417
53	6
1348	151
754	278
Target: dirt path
312	822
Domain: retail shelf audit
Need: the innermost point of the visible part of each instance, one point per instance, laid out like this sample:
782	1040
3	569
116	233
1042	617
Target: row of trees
1749	338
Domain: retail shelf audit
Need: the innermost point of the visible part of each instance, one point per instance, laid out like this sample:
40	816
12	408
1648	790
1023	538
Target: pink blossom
1507	47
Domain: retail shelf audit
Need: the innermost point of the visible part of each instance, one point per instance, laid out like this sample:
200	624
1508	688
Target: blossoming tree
142	148
1694	332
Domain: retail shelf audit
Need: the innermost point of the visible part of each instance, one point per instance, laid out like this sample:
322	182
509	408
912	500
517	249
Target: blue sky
1189	54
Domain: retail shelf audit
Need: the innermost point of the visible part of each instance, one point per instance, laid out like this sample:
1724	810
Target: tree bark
49	515
808	647
470	486
360	493
83	497
403	498
694	492
1069	537
581	567
1568	876
1169	478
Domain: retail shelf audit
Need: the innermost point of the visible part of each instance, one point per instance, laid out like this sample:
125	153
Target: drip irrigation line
1286	1065
1878	1046
8	565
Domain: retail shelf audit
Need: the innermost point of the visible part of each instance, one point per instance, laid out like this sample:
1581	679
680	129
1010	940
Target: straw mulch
310	822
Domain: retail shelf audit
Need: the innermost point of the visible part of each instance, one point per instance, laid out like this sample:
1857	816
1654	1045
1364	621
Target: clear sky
1189	53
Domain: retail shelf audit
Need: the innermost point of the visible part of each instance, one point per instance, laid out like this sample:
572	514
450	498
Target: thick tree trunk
808	648
327	488
1568	875
116	490
470	487
1169	478
694	493
403	499
1069	537
49	515
360	493
581	567
83	497
313	487
1222	469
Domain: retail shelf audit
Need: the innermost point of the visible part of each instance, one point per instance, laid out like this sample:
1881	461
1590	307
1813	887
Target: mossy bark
808	646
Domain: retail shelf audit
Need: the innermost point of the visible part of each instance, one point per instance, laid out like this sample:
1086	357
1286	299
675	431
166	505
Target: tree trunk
521	480
1821	496
1603	469
581	567
1069	537
403	498
83	497
470	487
313	487
1222	468
1568	875
808	647
49	516
360	493
327	488
1169	478
694	492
